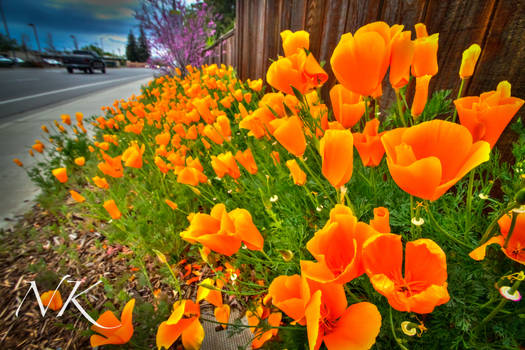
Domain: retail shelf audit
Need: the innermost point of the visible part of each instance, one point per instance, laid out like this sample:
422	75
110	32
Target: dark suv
86	61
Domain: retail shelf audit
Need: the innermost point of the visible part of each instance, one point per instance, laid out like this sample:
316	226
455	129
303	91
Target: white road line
63	90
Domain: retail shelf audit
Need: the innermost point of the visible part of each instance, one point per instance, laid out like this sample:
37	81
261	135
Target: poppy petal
363	333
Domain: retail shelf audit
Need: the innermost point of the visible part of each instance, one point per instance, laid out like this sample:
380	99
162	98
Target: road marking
64	90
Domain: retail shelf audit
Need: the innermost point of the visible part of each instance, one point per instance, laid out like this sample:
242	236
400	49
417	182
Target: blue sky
89	20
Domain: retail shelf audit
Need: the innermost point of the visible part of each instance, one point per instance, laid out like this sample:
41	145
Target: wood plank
502	58
459	24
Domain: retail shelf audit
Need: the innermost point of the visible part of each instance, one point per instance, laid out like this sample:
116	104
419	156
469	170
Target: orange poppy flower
183	322
275	157
487	116
402	54
515	248
60	174
122	332
421	95
222	314
224	164
337	149
18	162
66	119
79	116
247	161
171	204
381	220
213	134
469	60
223	232
255	85
360	61
427	159
191	176
39	147
300	70
289	133
112	209
223	127
348	106
132	156
100	182
111	166
77	196
424	61
323	308
287	294
423	285
368	144
298	175
341	262
52	299
261	336
80	161
295	41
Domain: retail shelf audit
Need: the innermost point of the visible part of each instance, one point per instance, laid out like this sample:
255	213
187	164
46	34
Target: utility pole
5	26
74	41
102	44
36	36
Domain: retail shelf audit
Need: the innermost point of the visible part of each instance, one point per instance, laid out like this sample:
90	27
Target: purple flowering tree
177	32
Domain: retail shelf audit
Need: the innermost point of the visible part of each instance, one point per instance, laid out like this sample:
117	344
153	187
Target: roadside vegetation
338	227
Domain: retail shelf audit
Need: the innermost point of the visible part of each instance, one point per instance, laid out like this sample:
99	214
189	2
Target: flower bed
317	244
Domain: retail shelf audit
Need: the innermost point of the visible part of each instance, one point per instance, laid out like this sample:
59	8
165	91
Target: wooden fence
498	26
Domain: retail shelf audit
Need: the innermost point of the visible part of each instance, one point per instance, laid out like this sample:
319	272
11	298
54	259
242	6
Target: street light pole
5	26
36	36
74	41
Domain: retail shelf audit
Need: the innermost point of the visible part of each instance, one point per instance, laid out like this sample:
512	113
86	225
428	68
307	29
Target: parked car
17	60
87	61
6	62
52	62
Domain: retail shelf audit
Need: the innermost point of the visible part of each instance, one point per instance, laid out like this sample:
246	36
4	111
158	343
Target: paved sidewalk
17	136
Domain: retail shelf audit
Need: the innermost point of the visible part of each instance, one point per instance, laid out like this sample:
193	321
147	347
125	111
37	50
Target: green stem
511	229
487	233
459	95
469	201
398	341
443	231
400	109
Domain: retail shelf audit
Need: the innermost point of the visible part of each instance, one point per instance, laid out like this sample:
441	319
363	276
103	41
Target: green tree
142	47
94	48
131	47
224	12
7	44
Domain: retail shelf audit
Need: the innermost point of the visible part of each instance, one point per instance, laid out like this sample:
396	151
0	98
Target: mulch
44	247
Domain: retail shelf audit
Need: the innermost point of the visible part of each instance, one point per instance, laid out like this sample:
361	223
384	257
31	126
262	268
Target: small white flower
243	246
274	143
505	292
418	221
274	199
218	178
483	196
319	209
214	199
233	276
229	191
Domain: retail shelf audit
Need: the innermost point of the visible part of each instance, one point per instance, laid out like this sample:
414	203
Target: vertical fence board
502	57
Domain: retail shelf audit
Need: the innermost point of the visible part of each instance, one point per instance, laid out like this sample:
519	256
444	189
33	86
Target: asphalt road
28	89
